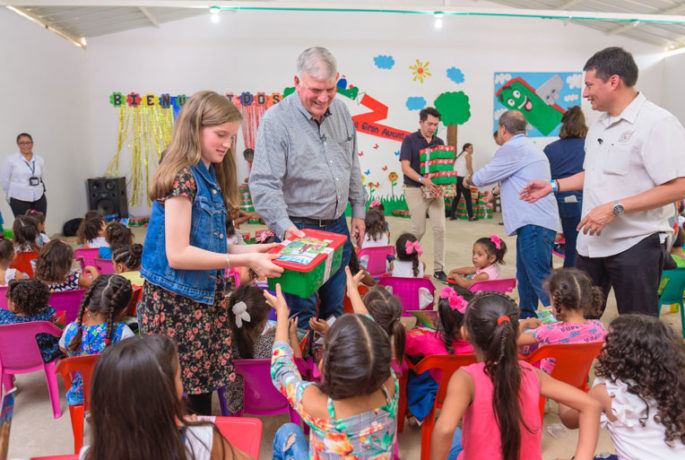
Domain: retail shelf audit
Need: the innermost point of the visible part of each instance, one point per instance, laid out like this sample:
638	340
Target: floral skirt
201	333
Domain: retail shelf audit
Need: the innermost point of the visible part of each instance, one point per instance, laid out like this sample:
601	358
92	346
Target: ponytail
386	310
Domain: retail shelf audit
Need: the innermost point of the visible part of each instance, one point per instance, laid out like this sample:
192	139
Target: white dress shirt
626	155
15	175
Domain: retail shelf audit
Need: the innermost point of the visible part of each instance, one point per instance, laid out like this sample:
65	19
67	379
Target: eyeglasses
25	143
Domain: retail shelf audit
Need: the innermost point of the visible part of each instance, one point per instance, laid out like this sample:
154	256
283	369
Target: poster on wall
542	97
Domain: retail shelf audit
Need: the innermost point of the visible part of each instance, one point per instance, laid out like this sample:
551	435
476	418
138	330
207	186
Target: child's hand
277	302
530	323
292	328
319	325
92	271
353	282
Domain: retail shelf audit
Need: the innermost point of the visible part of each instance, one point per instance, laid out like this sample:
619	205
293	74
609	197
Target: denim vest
207	231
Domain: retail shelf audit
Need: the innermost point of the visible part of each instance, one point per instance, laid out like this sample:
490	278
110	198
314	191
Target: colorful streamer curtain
251	116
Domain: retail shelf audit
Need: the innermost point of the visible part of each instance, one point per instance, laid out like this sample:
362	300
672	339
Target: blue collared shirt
516	163
305	169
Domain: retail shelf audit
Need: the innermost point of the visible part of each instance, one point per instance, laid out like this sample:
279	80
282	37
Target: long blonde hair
204	108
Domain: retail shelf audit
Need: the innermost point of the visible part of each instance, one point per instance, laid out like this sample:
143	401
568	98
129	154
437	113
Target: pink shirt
422	341
491	270
481	436
591	330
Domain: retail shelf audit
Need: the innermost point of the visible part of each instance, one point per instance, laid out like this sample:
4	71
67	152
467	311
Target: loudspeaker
108	195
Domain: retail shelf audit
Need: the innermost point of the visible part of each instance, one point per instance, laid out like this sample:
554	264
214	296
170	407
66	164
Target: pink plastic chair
57	457
3	297
19	354
502	285
407	289
260	397
86	256
68	301
103	266
376	266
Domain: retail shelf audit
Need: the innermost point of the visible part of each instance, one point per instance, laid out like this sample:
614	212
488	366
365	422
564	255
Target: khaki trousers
418	205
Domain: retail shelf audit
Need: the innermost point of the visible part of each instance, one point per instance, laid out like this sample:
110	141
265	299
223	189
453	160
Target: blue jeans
286	448
533	256
569	212
332	293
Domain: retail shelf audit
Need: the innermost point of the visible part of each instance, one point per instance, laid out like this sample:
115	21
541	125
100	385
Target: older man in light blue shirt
517	162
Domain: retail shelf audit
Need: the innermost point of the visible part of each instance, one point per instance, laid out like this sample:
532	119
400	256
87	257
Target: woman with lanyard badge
22	178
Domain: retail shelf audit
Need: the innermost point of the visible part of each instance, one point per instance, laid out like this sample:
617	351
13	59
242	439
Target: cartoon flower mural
393	181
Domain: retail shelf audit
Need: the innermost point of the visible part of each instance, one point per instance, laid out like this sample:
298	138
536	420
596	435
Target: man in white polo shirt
634	171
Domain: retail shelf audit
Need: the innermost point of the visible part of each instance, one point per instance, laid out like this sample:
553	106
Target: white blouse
632	440
15	175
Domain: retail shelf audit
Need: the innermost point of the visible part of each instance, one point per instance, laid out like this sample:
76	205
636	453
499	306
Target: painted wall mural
542	97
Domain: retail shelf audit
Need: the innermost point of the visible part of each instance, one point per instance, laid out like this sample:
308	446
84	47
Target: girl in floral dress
352	413
185	251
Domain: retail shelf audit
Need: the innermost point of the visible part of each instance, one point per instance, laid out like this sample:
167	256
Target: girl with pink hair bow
407	263
487	253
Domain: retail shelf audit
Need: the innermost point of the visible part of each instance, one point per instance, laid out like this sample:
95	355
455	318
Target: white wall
43	81
256	51
674	69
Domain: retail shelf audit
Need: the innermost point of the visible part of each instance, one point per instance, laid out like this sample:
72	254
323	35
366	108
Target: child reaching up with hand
353	411
497	399
487	253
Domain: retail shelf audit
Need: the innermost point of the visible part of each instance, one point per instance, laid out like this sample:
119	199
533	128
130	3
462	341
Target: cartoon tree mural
455	110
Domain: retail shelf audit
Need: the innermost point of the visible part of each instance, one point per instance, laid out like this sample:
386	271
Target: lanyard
32	166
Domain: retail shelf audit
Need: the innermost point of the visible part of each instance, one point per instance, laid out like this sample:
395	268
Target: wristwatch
618	208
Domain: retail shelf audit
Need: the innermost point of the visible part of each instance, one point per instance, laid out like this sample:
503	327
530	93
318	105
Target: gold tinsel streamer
144	132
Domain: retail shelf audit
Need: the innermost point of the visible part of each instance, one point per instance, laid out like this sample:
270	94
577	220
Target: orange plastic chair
85	365
245	433
132	308
574	361
23	262
448	364
347	305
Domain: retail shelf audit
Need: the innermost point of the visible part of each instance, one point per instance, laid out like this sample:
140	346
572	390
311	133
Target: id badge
33	180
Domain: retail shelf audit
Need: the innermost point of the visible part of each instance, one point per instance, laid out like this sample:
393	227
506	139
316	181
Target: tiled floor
35	432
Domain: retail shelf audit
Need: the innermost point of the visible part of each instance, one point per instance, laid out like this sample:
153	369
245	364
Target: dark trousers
467	197
634	274
19	207
570	205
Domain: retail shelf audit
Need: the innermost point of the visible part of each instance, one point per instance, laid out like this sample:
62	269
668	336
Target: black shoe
453	217
440	276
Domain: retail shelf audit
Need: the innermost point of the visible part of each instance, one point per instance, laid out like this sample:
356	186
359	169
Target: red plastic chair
3	297
86	256
407	289
378	257
503	285
132	308
85	365
449	365
103	266
347	305
23	262
68	301
574	361
260	397
19	354
245	433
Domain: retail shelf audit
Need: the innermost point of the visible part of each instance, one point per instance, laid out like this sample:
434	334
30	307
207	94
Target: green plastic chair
673	282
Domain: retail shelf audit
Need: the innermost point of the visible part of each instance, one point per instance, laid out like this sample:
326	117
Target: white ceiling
79	19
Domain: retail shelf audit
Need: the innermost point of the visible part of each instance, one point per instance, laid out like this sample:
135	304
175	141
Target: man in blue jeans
516	163
306	170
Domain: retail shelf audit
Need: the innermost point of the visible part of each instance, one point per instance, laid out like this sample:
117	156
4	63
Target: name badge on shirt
625	136
33	181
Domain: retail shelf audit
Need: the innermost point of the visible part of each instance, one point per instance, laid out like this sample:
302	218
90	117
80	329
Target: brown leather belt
310	221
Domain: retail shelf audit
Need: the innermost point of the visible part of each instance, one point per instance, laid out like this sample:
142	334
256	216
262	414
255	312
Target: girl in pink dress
487	253
446	339
497	398
574	299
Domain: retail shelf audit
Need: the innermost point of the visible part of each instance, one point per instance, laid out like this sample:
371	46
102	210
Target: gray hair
318	62
514	121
